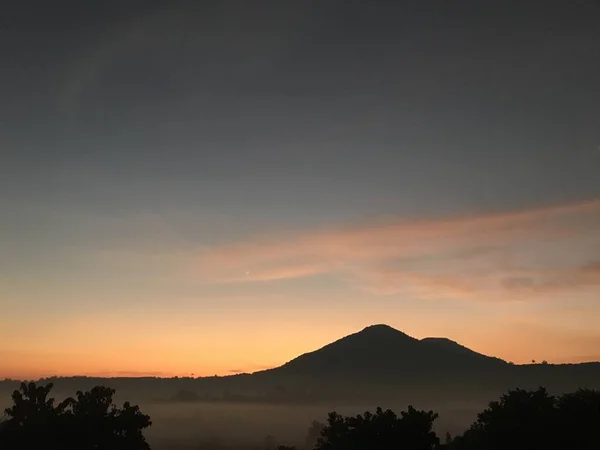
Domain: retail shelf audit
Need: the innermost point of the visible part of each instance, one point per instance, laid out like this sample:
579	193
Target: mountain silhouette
380	351
456	348
378	363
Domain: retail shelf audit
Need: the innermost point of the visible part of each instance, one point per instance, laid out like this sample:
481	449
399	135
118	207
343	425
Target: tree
31	403
417	429
579	419
101	424
31	418
90	421
519	420
380	431
534	419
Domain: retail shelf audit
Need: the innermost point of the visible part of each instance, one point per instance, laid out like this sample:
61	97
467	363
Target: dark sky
182	125
414	106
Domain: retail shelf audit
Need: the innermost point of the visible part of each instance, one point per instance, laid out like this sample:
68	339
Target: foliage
519	420
579	419
535	419
379	431
89	421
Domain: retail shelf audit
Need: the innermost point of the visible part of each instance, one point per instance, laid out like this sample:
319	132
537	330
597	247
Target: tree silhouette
90	421
31	403
534	419
579	419
101	424
31	418
380	431
519	420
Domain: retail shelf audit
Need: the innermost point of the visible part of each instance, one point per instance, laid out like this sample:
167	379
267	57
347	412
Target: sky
217	187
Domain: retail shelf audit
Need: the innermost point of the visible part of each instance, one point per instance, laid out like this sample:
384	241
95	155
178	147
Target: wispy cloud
515	252
496	284
555	280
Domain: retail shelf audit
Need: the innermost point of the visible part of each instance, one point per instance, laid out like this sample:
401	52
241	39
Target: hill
376	363
380	351
456	349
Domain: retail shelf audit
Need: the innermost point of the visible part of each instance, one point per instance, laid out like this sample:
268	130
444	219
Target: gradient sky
213	187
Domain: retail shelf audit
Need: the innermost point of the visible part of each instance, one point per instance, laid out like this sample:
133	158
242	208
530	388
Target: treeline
519	420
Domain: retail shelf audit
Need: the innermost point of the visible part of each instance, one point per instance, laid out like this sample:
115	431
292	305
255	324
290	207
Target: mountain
380	351
457	349
378	363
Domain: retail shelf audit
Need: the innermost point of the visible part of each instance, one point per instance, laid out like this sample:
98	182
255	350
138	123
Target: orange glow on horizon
500	284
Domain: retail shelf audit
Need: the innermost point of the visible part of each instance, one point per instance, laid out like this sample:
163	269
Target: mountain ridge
373	364
382	350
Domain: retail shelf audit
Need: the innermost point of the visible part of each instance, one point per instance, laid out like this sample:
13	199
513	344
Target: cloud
587	275
389	282
498	284
281	273
445	257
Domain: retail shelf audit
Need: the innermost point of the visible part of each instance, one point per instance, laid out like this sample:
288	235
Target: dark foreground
519	419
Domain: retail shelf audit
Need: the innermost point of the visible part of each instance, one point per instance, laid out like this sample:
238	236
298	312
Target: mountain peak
381	349
380	331
380	327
